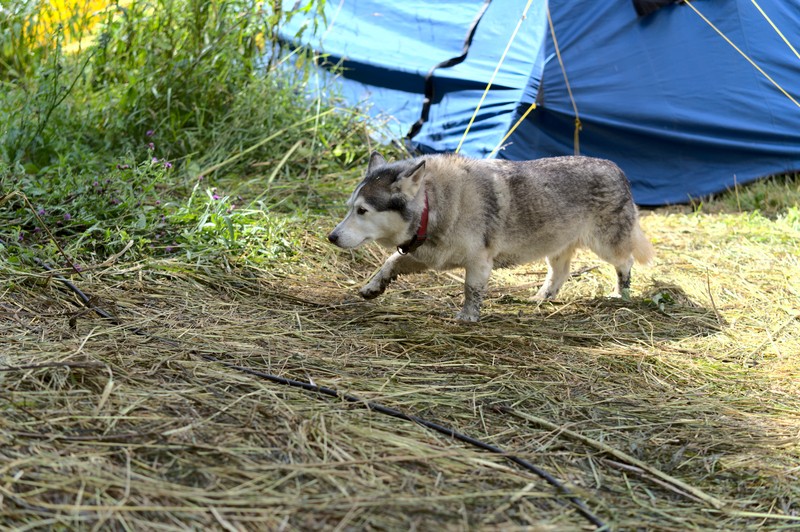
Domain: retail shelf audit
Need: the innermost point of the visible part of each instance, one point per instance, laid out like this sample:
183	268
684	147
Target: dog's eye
361	211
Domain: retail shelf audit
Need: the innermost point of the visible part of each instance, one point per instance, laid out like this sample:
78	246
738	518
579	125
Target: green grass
176	132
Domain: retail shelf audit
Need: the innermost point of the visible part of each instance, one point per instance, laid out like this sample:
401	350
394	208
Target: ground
193	187
677	410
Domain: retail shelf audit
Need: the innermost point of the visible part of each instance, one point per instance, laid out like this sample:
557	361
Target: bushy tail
643	251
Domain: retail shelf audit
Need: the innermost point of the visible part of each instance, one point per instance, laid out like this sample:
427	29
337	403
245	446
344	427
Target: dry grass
692	389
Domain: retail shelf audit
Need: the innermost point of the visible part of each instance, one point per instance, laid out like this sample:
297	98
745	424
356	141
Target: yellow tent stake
774	27
690	4
494	74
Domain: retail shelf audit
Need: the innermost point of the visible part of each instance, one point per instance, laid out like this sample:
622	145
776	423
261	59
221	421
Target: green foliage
176	67
180	130
792	216
772	197
212	223
31	110
94	214
18	47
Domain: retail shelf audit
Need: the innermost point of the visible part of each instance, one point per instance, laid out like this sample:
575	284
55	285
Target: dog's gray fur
491	213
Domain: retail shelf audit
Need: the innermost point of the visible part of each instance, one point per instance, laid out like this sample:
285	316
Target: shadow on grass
663	313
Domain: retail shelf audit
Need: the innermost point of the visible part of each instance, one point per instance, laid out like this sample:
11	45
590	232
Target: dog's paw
370	291
468	316
545	294
624	295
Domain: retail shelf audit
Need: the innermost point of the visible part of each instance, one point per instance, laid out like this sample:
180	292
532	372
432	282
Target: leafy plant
123	143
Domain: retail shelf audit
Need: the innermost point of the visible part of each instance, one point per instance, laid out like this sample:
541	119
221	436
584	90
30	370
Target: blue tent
689	99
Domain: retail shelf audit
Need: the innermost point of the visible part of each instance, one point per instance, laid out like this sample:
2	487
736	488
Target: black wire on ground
377	407
577	503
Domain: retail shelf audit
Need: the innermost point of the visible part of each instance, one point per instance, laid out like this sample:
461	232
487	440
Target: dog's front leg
475	281
395	265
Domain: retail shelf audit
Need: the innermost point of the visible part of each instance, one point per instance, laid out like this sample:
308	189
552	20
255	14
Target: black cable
369	405
377	407
87	302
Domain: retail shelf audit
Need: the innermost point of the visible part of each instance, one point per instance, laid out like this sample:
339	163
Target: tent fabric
645	7
662	95
384	51
666	98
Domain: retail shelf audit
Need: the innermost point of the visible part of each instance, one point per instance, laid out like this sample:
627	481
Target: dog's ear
408	182
375	160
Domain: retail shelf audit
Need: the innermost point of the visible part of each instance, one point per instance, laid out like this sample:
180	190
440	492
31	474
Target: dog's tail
643	251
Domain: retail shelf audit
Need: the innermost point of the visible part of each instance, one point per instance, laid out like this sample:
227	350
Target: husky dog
448	211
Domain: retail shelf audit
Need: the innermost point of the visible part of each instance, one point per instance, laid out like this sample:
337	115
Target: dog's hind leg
622	260
395	265
557	273
619	253
641	251
623	269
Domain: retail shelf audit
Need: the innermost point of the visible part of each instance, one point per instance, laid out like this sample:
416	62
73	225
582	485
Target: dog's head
384	205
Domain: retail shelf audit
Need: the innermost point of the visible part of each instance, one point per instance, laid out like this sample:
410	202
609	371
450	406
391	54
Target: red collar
422	233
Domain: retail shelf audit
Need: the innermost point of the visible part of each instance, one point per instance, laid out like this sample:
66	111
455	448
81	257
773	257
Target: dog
447	211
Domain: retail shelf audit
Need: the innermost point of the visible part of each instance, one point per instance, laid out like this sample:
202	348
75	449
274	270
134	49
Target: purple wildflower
150	133
154	160
167	164
21	237
41	211
168	249
67	217
151	146
215	196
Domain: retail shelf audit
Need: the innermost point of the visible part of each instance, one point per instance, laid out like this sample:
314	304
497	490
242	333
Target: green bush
175	67
127	139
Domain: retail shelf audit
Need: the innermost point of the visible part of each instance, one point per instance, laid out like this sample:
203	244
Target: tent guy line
566	81
774	27
747	57
494	75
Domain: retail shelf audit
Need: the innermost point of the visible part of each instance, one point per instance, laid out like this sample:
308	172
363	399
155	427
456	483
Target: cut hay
678	410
